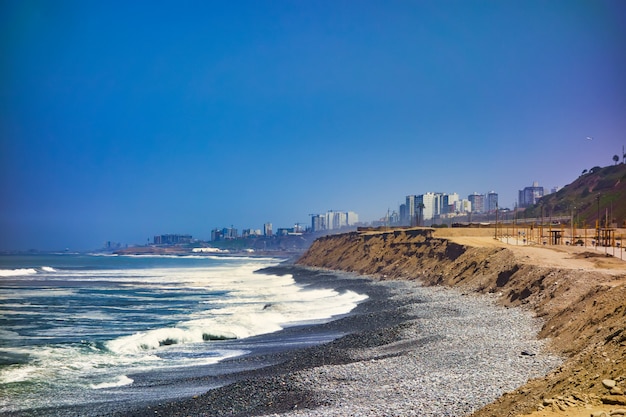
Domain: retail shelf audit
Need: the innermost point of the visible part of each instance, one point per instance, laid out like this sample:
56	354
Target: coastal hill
579	293
597	193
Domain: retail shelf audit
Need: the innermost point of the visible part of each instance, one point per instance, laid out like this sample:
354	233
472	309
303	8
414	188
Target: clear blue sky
122	120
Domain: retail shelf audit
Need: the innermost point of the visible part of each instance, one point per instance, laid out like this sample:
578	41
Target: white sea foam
8	334
119	382
209	250
206	301
52	363
93	315
257	304
8	294
17	272
17	374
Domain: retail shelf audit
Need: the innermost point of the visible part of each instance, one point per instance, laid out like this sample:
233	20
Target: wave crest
17	272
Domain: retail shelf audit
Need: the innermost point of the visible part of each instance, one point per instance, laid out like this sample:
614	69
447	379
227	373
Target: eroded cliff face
584	311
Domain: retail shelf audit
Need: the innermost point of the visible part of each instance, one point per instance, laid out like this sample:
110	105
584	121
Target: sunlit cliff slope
581	296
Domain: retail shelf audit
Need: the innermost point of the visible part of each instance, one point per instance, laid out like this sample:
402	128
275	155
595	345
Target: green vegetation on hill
599	191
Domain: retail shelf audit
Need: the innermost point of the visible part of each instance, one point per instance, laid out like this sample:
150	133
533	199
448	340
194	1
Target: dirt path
566	257
576	412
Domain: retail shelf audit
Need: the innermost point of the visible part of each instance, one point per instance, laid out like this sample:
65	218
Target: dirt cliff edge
582	303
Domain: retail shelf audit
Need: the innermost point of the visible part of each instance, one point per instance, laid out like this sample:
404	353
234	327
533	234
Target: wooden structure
555	237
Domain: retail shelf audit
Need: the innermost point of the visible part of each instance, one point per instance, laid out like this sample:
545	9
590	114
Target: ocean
79	329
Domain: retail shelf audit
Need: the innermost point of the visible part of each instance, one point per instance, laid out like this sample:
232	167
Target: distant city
267	239
434	208
428	209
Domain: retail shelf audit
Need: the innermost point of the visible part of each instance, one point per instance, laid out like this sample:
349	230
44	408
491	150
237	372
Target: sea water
76	328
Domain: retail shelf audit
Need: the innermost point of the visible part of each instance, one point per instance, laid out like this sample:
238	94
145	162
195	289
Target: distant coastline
182	251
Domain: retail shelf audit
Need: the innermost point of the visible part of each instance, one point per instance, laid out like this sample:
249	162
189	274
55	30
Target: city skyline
351	219
329	221
119	121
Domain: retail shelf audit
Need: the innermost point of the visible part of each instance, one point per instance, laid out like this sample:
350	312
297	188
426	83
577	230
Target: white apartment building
336	220
410	210
432	203
333	220
353	218
463	206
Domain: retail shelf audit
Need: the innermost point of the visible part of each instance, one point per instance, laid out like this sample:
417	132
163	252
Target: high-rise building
478	202
246	233
318	222
530	195
333	220
430	205
448	203
411	210
267	229
465	206
229	233
404	216
492	201
462	206
171	239
216	234
352	218
336	219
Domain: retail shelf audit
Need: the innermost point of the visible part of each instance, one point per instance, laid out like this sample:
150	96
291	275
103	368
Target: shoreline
578	294
266	352
399	350
374	367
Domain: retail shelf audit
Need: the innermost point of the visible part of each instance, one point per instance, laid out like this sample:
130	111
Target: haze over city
122	121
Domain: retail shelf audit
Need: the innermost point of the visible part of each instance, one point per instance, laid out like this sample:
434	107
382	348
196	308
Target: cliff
579	293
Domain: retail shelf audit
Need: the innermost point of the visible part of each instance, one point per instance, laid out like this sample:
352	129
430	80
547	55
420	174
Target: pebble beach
408	350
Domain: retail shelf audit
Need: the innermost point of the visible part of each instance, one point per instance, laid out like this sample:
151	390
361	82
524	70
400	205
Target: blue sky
119	122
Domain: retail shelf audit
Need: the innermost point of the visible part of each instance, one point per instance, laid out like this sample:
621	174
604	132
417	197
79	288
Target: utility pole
572	225
496	232
598	222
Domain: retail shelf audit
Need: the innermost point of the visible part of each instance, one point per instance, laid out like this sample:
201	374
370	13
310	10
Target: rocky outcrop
584	311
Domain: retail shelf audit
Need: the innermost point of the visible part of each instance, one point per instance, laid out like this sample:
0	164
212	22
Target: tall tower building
404	216
530	195
410	210
351	218
492	201
478	202
448	203
430	203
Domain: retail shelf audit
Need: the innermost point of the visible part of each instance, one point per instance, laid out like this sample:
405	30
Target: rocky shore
409	350
535	331
579	293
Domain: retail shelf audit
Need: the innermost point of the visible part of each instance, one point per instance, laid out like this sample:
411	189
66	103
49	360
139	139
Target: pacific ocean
96	334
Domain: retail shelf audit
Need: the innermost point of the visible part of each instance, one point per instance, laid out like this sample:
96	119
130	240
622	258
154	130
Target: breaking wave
20	272
17	272
244	318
